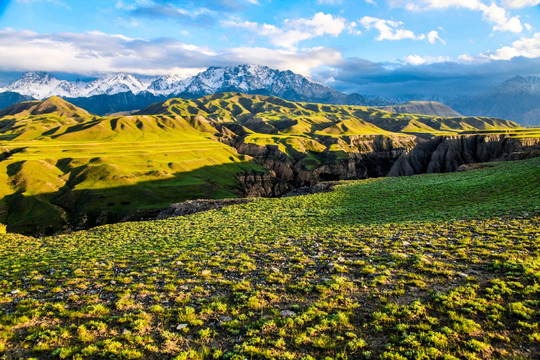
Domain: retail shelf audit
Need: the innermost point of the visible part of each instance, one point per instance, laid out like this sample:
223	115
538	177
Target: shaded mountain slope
8	98
517	99
432	108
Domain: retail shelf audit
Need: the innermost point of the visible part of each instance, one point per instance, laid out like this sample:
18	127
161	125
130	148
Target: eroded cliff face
365	157
378	156
448	153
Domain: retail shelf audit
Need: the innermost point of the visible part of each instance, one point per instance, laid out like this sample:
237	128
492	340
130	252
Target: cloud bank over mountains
356	46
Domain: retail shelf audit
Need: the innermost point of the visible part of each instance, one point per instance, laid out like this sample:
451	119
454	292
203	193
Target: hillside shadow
73	209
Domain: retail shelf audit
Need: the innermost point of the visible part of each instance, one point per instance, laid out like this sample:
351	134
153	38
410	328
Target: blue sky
369	46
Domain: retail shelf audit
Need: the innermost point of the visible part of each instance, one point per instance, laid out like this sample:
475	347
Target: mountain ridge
517	99
249	79
422	107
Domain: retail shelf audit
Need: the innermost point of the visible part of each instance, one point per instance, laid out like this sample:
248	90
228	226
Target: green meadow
63	168
442	266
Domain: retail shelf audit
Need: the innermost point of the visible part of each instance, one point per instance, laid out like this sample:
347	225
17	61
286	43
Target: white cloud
433	36
529	48
319	25
519	4
492	13
299	62
96	52
388	29
419	60
294	31
415	60
352	28
498	16
470	59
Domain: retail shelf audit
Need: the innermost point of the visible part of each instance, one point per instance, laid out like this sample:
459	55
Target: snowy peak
115	84
41	85
169	84
520	84
258	79
250	79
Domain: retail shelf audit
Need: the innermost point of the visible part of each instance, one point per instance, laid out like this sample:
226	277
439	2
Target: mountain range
517	99
138	92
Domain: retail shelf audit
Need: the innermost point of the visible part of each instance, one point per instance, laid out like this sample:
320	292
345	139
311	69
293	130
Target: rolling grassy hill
65	162
65	168
438	266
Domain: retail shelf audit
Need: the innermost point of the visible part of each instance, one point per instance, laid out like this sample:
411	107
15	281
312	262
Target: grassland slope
438	266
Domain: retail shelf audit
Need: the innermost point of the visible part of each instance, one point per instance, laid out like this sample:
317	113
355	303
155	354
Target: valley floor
442	266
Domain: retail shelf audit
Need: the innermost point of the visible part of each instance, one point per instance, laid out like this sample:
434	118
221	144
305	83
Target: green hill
439	266
63	168
65	165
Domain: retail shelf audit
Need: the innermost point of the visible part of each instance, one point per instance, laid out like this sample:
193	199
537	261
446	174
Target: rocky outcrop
378	156
448	153
368	156
195	206
321	187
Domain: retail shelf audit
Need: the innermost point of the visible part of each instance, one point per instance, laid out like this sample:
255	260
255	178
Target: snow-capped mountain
115	84
519	84
125	92
242	78
40	85
169	84
261	80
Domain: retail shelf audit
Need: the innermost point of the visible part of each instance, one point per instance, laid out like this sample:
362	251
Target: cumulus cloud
494	14
388	29
415	60
420	60
300	62
529	48
433	36
97	52
294	31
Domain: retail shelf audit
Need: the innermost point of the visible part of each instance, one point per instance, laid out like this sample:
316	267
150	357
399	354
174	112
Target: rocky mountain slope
517	99
40	85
